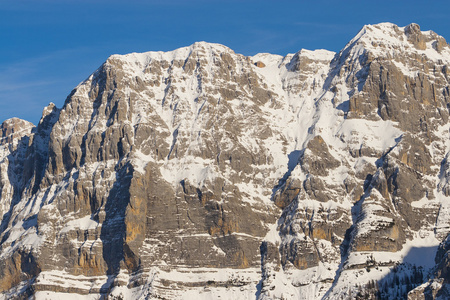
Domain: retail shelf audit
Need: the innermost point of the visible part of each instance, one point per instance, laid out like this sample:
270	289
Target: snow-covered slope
203	173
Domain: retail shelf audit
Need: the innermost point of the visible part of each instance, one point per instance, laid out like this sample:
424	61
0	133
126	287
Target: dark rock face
443	260
439	286
200	172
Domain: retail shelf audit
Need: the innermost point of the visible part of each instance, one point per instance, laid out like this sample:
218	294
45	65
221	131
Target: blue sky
47	47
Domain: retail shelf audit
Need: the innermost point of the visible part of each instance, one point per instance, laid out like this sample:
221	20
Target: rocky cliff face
202	172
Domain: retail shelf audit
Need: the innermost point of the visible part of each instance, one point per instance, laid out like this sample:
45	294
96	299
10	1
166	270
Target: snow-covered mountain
202	173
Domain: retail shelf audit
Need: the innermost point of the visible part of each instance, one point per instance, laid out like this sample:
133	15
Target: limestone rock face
198	172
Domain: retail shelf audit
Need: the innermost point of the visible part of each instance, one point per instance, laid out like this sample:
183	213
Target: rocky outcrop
260	64
13	130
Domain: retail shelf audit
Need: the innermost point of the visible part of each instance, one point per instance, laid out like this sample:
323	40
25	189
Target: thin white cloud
26	73
28	85
15	86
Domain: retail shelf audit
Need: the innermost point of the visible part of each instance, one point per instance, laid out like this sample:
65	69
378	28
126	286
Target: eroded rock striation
202	172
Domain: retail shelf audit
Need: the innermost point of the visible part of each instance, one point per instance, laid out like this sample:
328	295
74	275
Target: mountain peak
14	128
180	53
14	124
387	40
